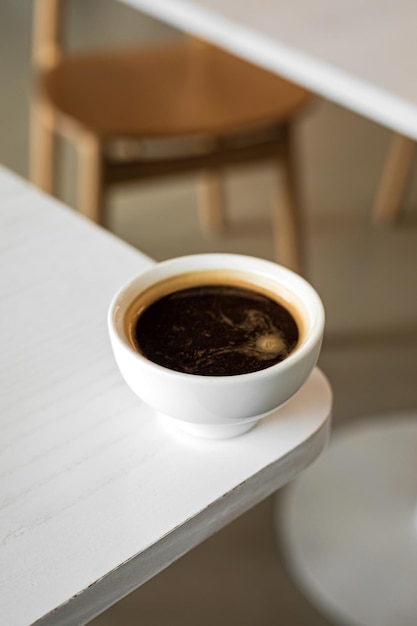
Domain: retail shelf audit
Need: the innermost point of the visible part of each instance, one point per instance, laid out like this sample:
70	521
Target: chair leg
42	146
287	226
393	182
210	205
90	177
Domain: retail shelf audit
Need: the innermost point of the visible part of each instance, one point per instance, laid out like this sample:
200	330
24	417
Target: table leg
348	526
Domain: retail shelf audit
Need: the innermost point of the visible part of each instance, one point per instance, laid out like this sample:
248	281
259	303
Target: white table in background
96	495
361	55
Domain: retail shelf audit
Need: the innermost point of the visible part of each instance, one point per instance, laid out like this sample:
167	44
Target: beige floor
366	276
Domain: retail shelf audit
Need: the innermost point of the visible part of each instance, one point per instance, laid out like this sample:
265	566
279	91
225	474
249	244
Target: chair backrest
47	23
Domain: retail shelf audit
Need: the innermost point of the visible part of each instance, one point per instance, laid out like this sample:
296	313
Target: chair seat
178	88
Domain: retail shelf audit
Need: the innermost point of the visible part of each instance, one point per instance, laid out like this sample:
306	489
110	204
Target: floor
365	275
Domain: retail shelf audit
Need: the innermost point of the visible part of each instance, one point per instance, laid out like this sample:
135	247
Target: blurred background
365	275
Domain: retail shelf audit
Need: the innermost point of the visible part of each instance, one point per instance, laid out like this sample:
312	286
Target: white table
362	55
97	495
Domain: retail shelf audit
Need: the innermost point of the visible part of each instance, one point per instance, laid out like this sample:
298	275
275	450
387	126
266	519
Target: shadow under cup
226	404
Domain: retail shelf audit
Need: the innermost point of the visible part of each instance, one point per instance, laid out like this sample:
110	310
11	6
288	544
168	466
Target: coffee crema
212	323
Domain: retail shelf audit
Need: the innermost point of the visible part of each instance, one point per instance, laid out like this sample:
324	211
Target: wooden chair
393	184
208	107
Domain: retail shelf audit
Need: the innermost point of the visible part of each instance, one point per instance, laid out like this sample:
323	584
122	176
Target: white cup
219	406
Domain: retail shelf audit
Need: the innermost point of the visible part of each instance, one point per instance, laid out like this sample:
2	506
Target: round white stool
348	525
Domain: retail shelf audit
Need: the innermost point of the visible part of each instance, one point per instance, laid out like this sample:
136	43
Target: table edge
134	572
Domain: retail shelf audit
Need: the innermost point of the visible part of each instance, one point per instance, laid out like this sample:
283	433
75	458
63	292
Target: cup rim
314	333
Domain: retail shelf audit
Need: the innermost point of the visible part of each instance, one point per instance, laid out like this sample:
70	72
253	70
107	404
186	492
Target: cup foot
210	431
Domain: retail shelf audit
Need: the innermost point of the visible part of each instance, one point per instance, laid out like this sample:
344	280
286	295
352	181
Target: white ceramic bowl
219	406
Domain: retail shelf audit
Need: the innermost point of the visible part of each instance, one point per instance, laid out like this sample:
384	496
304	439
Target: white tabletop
361	54
96	495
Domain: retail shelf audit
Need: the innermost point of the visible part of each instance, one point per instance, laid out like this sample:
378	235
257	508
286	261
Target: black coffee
215	330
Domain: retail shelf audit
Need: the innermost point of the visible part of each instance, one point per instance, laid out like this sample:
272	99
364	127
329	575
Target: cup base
210	431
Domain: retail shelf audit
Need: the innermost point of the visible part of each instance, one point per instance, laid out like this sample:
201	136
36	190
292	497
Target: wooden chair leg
42	146
210	205
393	182
287	226
90	177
